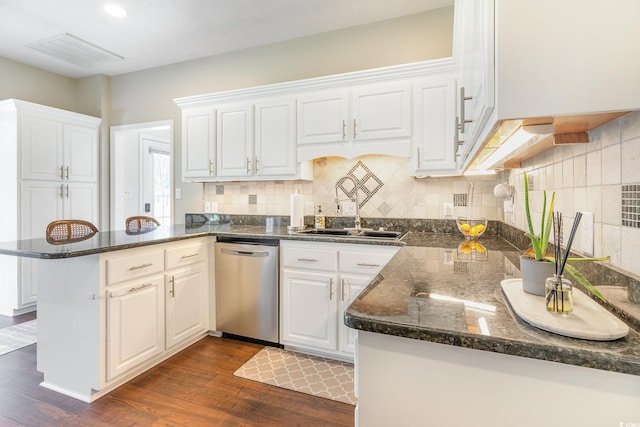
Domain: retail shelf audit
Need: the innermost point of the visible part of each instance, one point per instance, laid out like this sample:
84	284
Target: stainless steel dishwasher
247	288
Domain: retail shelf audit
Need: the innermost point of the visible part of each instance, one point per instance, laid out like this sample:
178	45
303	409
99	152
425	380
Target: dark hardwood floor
194	388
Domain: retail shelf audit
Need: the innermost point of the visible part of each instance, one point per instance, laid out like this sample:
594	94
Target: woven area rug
17	336
313	375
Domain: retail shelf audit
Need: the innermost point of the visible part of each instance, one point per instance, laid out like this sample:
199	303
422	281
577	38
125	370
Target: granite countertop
420	295
107	241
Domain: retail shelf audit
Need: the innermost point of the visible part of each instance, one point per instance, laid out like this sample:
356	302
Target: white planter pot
534	273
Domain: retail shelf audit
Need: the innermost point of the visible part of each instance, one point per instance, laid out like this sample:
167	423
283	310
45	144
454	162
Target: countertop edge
549	352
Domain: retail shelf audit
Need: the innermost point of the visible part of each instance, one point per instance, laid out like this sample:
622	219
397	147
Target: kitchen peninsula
117	303
439	345
435	332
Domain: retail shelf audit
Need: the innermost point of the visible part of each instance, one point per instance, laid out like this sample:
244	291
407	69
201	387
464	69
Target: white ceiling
161	32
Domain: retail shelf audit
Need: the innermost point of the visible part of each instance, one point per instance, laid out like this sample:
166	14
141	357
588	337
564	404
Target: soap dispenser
319	218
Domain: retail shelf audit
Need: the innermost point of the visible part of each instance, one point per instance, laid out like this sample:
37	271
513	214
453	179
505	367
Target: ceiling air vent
74	50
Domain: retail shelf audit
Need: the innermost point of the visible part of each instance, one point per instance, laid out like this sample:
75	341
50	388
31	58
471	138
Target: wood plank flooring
194	388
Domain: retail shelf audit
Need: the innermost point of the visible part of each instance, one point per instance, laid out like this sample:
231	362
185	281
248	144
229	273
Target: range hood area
515	141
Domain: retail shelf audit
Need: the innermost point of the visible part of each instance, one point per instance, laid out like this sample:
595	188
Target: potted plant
535	264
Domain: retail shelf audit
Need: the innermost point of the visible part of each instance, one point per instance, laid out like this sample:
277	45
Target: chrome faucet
354	199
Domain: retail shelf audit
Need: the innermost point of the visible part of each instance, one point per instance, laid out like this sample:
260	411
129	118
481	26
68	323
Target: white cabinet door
323	117
275	138
41	202
186	303
476	95
198	144
80	153
41	148
308	314
350	288
81	201
235	141
434	109
381	112
135	324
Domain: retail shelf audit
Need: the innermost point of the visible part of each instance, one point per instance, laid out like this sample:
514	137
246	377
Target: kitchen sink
343	232
326	231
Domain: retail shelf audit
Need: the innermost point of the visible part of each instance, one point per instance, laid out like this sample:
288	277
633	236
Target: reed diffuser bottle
558	290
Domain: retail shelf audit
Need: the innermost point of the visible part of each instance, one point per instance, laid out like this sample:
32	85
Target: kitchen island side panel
410	382
71	340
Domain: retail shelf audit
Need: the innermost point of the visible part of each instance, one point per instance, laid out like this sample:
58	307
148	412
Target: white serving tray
589	320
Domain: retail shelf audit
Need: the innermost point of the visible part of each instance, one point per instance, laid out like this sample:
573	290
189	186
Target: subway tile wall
398	196
589	178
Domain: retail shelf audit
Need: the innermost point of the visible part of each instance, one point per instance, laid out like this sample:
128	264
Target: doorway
141	172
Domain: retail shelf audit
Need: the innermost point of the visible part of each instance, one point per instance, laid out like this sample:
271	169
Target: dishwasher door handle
262	254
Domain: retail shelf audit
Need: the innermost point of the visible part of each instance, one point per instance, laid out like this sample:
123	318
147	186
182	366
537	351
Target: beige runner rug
17	336
313	375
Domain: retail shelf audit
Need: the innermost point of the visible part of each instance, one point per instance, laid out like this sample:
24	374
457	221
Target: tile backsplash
599	177
385	190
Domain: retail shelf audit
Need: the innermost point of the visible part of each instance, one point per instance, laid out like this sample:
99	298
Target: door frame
117	133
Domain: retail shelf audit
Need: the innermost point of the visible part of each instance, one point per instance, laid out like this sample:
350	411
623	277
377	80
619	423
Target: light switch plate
447	210
178	193
586	233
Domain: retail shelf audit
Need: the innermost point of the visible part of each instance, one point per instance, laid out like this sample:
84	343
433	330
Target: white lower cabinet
157	298
135	324
186	303
318	282
309	309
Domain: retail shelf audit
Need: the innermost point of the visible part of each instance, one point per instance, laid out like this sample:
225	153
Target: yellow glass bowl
471	228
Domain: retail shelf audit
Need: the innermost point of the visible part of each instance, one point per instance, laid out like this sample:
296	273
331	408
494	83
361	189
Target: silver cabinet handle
248	169
138	267
67	191
62	172
344	130
189	256
255	165
67	172
355	132
457	142
307	260
342	289
364	264
61	190
172	289
212	170
417	157
463	119
130	290
330	289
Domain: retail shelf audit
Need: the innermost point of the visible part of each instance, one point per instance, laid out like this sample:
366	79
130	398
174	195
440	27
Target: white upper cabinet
434	135
235	141
254	140
373	119
474	45
198	144
54	150
544	59
275	138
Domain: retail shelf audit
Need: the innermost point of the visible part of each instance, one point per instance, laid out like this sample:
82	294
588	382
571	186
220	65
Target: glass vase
558	295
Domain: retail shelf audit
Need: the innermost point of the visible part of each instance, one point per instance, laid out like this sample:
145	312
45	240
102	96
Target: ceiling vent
74	50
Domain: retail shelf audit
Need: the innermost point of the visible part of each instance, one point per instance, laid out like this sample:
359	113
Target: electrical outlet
207	207
586	233
447	210
178	193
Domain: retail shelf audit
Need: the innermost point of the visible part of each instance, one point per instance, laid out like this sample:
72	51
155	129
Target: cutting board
589	320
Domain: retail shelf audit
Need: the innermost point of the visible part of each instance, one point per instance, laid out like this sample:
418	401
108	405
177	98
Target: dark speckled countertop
107	241
412	298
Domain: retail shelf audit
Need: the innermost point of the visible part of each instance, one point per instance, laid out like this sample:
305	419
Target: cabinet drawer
130	267
185	255
364	262
309	258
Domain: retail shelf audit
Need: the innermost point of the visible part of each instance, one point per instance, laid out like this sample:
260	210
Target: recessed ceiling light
115	10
